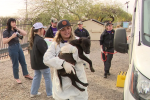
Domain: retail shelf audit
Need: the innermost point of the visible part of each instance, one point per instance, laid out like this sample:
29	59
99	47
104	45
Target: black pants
107	63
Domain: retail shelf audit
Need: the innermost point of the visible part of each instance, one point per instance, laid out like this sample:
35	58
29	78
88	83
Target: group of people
43	57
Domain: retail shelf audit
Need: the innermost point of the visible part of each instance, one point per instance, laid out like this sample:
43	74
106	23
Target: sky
11	7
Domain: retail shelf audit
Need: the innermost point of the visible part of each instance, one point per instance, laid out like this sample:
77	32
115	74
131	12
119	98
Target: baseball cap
63	23
38	25
54	20
108	23
80	22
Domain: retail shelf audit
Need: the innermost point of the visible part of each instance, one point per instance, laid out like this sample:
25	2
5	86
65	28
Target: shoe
29	77
49	96
32	96
105	75
18	81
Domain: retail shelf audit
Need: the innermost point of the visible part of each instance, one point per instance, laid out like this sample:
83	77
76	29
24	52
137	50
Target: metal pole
26	9
127	5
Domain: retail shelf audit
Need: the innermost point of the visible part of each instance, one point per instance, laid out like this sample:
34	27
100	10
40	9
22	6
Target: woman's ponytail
31	38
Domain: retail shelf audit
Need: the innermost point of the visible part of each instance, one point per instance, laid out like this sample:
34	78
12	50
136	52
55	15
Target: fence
24	24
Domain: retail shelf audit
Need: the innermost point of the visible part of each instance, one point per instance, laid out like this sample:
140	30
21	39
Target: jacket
107	39
49	33
68	91
36	54
83	33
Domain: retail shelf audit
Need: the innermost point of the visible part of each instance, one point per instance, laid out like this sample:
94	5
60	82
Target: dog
83	45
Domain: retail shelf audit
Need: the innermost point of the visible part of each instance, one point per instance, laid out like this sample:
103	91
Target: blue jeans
37	79
17	56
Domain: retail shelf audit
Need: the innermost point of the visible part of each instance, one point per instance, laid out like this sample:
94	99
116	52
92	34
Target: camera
19	36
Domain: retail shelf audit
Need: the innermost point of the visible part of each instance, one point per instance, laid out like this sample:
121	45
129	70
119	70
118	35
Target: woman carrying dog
38	47
107	48
51	59
15	51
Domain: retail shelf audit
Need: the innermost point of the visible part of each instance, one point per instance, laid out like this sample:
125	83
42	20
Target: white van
137	83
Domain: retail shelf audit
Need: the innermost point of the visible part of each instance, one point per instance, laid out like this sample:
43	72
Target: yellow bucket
120	79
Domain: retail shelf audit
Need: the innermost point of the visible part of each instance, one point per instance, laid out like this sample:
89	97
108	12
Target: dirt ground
98	89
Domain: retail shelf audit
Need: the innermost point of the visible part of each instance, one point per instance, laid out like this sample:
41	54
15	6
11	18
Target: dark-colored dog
83	45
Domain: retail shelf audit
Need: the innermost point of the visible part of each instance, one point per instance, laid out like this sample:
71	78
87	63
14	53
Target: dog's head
85	43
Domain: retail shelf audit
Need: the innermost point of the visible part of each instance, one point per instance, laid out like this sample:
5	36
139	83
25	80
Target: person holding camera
10	37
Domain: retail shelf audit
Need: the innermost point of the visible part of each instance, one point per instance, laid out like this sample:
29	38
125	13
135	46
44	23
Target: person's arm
41	46
101	41
101	48
47	34
75	32
22	32
6	40
87	33
50	58
6	37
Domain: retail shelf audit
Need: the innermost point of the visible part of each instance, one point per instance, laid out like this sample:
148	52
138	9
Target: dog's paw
82	89
86	84
92	69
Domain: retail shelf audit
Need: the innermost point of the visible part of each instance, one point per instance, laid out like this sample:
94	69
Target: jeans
37	79
16	54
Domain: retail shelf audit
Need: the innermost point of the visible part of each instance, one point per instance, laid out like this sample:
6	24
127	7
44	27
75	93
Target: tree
44	10
108	12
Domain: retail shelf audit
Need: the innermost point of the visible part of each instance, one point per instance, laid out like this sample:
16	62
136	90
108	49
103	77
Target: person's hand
101	50
14	35
15	27
68	67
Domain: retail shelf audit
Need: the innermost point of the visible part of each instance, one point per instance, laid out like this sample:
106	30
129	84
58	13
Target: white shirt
68	91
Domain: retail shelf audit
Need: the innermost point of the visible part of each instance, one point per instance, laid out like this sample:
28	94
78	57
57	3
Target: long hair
58	38
31	36
9	24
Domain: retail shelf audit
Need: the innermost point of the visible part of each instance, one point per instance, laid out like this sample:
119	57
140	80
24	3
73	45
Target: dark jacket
107	39
49	33
83	33
36	54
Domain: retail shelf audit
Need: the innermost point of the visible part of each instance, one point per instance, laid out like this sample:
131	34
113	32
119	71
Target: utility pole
26	9
127	5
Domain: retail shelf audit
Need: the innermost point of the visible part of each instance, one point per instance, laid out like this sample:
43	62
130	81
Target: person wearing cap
80	31
38	48
106	42
50	33
51	59
15	51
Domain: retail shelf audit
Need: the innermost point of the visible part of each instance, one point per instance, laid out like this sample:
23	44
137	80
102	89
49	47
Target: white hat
38	25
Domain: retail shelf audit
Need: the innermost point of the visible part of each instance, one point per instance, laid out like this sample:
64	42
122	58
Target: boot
108	73
105	75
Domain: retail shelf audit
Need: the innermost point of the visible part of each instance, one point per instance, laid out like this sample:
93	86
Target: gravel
98	89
